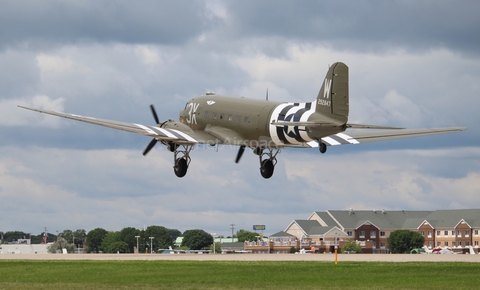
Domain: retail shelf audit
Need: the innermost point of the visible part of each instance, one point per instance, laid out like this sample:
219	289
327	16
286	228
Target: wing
180	135
317	124
356	137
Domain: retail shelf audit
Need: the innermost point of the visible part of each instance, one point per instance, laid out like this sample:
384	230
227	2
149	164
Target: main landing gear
322	147
268	160
181	157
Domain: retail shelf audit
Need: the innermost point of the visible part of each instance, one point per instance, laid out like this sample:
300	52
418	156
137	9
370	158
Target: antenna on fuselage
266	95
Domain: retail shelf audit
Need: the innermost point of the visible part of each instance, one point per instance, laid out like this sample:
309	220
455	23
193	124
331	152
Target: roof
281	234
352	219
312	227
450	218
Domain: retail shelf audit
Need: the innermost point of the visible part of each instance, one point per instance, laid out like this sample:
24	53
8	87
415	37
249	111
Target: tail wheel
322	147
266	168
180	167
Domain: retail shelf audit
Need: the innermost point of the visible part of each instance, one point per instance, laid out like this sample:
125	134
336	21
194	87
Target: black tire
266	168
322	147
180	167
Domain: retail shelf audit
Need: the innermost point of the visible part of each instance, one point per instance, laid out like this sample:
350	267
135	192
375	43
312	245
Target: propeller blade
240	153
152	108
149	146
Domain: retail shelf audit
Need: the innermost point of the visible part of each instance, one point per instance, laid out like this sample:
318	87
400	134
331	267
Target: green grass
16	274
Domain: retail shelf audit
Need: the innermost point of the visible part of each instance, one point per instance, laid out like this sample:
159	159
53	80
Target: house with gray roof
371	228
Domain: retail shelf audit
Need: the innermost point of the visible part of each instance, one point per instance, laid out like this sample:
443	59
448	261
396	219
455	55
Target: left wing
183	136
356	137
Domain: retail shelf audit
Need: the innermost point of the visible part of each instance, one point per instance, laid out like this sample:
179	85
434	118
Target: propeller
240	153
154	141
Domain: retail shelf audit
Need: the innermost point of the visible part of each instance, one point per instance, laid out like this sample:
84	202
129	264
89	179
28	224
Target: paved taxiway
250	257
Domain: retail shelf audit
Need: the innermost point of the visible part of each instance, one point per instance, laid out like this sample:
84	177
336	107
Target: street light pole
213	235
137	242
151	244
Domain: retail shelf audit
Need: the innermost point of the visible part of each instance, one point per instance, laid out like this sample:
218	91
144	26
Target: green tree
59	245
196	239
217	248
244	235
162	239
403	241
351	246
127	235
94	239
174	233
109	239
119	246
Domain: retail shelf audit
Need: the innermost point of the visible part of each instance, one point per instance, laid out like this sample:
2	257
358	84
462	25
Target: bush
352	247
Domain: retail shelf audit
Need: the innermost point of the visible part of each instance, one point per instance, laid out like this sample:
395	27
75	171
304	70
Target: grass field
21	274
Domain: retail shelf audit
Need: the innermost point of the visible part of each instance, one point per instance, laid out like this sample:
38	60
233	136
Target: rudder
333	96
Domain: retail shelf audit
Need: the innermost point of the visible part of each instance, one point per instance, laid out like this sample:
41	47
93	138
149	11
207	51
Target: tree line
126	240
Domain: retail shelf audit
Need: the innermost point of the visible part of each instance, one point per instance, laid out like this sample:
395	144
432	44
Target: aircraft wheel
322	147
180	167
267	168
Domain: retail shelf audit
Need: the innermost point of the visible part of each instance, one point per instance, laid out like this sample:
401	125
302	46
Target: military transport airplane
264	126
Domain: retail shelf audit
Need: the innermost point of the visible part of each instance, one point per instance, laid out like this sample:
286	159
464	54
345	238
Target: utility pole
151	244
137	242
232	227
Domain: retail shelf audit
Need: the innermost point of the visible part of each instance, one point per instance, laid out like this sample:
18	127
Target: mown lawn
15	274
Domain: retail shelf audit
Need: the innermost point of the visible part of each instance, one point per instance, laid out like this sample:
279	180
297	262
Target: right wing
383	135
365	136
179	136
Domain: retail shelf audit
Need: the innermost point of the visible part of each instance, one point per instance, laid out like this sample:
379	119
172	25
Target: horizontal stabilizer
361	126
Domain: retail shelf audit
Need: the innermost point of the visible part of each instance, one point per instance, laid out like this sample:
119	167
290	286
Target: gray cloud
42	24
362	25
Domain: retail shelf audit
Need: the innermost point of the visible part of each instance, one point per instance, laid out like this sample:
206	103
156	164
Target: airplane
264	126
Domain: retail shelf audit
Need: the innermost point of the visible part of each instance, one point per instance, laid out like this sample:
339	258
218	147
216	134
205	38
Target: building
321	231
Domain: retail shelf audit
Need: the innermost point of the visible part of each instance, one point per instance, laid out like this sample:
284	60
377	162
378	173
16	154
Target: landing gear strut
268	160
181	159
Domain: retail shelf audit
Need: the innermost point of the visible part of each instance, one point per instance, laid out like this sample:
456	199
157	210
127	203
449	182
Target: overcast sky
412	64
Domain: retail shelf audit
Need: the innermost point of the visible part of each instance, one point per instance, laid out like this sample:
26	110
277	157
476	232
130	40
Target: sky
413	64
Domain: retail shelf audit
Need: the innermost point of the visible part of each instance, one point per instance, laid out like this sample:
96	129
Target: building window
438	233
349	233
459	243
453	244
438	244
476	232
423	233
467	243
467	233
445	233
374	245
476	243
429	233
382	245
373	235
445	244
362	234
453	233
429	244
382	234
459	234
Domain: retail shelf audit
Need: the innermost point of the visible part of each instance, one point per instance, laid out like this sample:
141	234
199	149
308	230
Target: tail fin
332	100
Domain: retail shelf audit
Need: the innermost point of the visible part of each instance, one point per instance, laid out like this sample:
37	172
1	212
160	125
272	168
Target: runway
250	257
